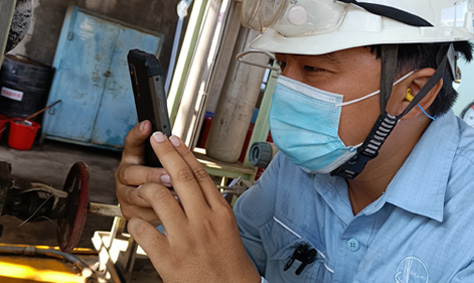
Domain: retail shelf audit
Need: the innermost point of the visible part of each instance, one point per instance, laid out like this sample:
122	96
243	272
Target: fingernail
159	137
132	224
166	179
175	140
142	126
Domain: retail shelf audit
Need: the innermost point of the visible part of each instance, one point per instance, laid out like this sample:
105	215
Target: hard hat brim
375	30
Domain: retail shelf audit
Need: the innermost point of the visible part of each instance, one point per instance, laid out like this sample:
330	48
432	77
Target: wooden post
7	7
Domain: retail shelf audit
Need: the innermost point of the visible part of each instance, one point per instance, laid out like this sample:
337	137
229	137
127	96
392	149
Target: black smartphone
150	97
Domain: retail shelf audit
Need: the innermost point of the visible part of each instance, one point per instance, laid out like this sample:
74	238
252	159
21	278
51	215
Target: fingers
128	178
198	237
131	174
135	143
209	189
207	248
165	206
132	205
184	182
150	239
145	213
136	175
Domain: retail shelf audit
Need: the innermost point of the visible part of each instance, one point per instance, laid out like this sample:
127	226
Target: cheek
357	120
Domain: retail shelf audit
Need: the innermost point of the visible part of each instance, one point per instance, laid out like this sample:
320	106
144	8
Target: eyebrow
332	56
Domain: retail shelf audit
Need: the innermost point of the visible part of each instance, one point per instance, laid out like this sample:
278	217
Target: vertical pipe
236	105
192	97
174	52
185	56
177	37
225	55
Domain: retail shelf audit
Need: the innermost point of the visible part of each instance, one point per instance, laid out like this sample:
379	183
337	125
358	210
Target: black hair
419	56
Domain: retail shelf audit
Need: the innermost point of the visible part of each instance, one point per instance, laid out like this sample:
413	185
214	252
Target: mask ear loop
386	122
375	92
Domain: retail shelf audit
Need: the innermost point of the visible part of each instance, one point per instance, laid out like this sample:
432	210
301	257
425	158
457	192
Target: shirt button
353	245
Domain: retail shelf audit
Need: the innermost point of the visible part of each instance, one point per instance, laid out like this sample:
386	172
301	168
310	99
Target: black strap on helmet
386	122
389	56
444	57
392	13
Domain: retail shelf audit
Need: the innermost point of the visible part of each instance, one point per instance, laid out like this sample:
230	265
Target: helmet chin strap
386	122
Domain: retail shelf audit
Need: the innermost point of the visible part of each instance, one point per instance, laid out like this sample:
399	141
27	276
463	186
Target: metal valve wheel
76	207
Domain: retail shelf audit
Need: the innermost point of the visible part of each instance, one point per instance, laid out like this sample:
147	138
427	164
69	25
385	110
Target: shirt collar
420	185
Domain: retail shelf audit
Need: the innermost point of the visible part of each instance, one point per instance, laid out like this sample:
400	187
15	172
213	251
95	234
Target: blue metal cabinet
93	82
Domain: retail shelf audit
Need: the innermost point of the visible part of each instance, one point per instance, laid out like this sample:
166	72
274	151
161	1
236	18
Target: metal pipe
236	105
105	209
192	97
184	59
177	37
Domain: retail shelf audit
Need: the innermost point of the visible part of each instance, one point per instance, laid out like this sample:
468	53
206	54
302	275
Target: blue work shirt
420	230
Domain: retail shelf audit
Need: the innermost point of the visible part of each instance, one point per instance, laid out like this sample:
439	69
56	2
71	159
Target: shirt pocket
280	243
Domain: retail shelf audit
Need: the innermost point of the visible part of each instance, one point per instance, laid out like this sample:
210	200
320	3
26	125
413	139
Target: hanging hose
51	253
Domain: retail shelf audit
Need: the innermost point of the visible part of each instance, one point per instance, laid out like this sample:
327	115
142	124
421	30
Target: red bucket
3	124
22	136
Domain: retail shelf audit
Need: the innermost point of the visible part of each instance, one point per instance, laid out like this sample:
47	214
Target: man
374	182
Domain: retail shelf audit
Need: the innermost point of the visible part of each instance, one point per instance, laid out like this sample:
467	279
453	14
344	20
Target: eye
282	65
313	69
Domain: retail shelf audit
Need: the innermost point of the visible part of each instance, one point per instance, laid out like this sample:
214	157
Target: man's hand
131	174
201	242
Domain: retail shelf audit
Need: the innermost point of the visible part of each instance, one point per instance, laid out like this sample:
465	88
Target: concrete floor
49	164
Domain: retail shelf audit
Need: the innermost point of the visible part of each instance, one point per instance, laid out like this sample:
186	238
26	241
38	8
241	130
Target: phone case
150	97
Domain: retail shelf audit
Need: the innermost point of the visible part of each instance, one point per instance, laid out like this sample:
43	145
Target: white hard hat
314	27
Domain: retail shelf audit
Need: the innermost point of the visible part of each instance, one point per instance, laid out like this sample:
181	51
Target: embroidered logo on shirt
411	270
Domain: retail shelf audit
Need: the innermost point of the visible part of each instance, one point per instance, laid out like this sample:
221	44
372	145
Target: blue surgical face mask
304	123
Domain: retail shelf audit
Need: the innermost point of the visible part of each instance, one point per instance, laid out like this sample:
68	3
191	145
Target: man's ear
415	83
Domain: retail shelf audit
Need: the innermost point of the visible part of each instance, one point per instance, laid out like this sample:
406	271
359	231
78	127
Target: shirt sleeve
264	280
253	210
